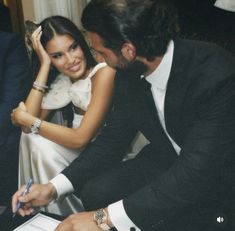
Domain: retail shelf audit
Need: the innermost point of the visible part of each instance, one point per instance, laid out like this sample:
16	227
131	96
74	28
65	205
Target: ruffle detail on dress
58	96
63	91
80	93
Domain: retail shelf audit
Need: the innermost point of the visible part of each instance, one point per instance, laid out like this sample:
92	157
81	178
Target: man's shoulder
200	48
8	35
201	65
7	38
204	57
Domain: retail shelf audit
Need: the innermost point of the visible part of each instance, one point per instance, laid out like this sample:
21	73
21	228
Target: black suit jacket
14	82
199	116
14	78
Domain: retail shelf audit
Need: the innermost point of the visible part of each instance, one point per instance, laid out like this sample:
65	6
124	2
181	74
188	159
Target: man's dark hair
148	24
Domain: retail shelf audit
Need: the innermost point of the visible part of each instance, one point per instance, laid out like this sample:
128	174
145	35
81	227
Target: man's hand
39	194
79	222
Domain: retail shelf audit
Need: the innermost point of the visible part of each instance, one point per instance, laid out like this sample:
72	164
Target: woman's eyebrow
73	43
55	53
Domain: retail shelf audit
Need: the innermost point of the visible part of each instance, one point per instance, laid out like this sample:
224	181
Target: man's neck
152	65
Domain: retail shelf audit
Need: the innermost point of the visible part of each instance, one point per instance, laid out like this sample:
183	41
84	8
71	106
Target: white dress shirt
158	80
228	5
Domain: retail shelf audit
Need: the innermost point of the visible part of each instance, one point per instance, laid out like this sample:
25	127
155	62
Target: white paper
39	222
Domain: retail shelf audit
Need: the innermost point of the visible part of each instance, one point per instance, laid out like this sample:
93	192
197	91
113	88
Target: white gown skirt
41	160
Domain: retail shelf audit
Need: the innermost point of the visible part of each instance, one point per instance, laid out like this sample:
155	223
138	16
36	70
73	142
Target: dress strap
95	69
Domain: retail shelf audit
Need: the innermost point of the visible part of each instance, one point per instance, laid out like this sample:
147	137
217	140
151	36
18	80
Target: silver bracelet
39	85
39	89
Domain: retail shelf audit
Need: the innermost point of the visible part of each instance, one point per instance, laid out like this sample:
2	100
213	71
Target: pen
26	190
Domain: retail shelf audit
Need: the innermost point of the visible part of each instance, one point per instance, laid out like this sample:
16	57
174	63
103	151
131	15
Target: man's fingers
15	198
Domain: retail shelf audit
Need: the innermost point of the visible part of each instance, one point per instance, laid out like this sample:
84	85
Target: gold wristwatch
101	218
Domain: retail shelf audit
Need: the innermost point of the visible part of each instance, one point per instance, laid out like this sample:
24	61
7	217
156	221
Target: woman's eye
56	56
74	46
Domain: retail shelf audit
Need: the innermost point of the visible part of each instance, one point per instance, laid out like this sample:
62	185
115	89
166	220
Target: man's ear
128	51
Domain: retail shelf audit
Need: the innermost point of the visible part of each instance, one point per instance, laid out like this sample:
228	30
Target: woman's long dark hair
59	25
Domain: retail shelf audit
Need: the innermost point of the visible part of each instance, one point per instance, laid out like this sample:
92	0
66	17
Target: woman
88	86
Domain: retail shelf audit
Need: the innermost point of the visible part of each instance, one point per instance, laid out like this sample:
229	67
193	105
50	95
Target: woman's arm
34	99
102	89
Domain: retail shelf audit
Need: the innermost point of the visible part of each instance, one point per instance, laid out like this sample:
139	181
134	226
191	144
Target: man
14	82
180	95
5	19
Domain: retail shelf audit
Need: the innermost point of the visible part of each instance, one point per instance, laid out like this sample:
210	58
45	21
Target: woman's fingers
37	46
36	36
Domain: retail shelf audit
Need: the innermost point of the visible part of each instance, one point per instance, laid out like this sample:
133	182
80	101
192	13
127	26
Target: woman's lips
74	68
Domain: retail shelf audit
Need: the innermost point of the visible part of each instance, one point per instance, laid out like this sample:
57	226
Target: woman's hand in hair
39	49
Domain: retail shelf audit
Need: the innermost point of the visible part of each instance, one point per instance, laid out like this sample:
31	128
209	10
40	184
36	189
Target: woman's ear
128	51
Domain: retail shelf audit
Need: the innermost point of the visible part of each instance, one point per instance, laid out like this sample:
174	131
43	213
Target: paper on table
39	222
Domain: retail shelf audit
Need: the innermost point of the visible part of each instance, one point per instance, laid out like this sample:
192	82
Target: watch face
34	129
35	126
99	215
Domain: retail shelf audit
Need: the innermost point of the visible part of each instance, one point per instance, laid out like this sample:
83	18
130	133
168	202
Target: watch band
104	226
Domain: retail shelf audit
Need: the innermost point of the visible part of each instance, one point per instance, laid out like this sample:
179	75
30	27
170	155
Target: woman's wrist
43	73
46	65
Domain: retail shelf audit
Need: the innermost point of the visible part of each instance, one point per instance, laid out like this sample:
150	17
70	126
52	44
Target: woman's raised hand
39	49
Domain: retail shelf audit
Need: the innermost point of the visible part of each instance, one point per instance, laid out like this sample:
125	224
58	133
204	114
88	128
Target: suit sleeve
190	178
14	82
109	147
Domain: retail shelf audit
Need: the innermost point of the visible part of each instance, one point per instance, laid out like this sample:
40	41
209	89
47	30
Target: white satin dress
42	159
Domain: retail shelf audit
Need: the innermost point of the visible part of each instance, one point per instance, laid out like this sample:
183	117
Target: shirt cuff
62	184
119	218
228	5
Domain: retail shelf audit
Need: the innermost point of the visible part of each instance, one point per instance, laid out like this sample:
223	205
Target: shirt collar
159	77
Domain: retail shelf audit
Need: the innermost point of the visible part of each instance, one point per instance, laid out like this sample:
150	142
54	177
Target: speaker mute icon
220	219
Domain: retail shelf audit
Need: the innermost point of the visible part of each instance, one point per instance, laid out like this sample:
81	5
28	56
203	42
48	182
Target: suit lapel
176	90
150	124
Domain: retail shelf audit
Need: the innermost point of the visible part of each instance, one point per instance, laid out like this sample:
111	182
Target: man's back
14	84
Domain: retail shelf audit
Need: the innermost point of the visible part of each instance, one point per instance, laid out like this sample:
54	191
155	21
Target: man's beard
131	69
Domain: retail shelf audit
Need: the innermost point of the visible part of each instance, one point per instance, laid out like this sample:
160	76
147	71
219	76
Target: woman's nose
70	58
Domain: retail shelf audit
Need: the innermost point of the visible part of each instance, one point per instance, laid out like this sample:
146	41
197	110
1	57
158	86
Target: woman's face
67	56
